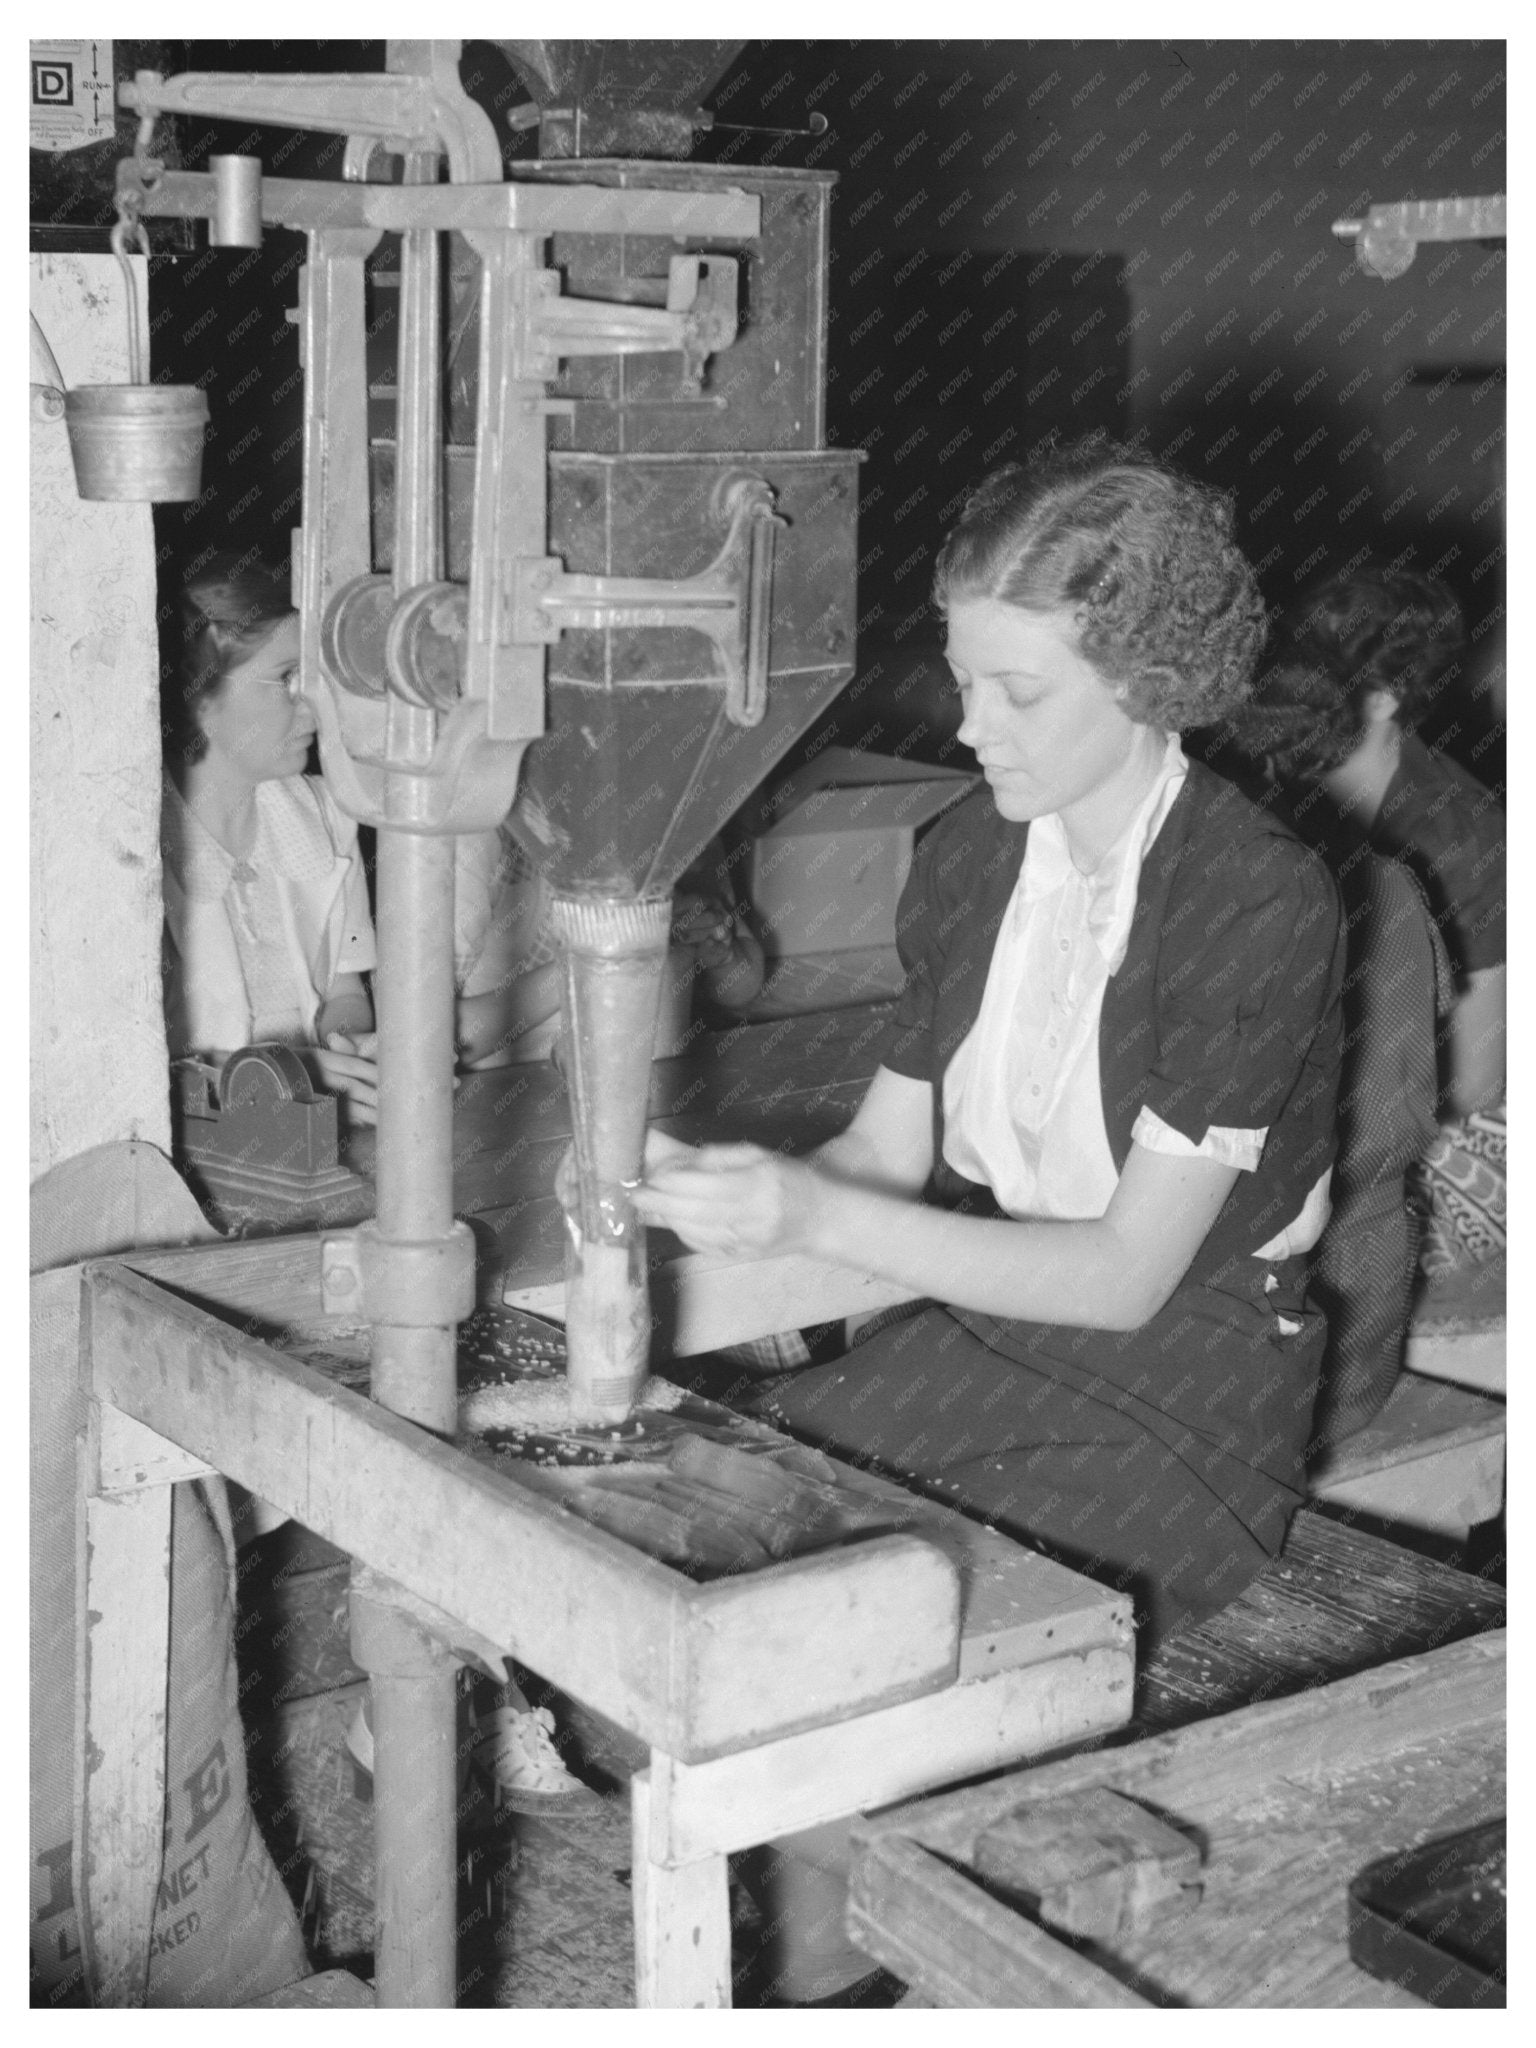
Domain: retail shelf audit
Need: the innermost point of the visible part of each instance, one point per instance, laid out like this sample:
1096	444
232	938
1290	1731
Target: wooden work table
770	1700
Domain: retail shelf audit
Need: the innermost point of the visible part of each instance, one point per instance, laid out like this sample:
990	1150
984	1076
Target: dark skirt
1164	1461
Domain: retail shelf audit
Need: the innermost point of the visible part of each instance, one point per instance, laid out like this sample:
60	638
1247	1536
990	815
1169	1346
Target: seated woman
1397	988
268	933
1101	1134
1363	659
1100	1137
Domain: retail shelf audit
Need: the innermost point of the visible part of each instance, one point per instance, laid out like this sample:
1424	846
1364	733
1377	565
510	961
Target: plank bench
1432	1461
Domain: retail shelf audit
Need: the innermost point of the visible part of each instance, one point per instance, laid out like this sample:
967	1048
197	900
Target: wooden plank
682	1915
131	1457
1432	1460
122	1673
265	1284
1206	1771
937	1930
799	1781
1270	1929
1288	1802
1420	1417
775	1651
1476	1358
1446	1492
1337	1600
707	1300
511	1565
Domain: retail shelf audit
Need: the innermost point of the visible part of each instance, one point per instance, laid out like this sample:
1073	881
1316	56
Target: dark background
1028	239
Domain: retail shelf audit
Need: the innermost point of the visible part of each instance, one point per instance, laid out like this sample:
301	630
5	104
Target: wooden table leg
682	1912
123	1661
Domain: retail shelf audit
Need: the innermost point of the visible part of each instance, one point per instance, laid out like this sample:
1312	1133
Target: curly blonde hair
1166	605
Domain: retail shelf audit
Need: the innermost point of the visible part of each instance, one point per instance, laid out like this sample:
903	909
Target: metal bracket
420	1286
698	319
731	601
406	111
1387	240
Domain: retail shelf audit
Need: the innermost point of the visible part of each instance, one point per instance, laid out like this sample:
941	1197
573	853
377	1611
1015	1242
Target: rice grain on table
542	1407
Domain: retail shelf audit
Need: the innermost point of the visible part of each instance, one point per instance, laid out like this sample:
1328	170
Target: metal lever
731	601
412	110
1387	240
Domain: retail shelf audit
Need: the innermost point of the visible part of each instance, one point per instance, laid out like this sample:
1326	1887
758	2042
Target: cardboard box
827	865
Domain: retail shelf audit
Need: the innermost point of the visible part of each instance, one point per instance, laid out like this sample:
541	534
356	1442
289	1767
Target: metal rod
415	1823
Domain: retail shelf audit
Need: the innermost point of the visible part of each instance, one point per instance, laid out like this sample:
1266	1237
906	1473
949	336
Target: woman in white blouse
268	934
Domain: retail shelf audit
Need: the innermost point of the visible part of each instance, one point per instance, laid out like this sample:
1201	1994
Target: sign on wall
72	94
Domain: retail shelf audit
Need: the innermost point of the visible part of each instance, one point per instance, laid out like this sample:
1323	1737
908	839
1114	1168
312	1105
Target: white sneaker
514	1747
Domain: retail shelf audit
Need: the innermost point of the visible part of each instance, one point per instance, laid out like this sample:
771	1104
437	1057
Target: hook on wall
47	380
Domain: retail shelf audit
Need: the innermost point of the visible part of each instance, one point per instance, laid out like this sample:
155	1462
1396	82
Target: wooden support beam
825	1774
123	1647
973	1951
131	1457
682	1915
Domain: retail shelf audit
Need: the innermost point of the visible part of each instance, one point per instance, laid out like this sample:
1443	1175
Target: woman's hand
730	1198
703	925
348	1066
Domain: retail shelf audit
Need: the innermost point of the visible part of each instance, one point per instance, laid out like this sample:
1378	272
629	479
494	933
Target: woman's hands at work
347	1065
730	1198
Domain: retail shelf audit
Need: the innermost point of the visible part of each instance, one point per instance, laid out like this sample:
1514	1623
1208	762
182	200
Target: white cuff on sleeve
1226	1142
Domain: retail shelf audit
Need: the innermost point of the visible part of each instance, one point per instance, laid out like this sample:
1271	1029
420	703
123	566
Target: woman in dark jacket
1100	1137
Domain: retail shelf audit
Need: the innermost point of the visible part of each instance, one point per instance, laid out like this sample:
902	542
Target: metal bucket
137	443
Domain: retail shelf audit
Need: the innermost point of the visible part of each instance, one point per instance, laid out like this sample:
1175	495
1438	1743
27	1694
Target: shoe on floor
514	1747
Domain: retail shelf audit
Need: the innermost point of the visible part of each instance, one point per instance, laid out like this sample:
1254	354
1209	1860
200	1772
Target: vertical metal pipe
413	1369
415	1822
414	1728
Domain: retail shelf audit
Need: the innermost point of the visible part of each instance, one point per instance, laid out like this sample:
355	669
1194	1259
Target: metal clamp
423	1286
731	601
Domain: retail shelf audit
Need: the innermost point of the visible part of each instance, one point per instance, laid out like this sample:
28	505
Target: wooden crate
1288	1802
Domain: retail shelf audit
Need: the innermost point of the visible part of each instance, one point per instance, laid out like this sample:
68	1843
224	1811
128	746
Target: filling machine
593	567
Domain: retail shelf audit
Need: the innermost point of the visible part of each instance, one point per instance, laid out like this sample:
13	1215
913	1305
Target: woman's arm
492	1021
347	1008
889	1144
345	1057
1475	1052
1111	1273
